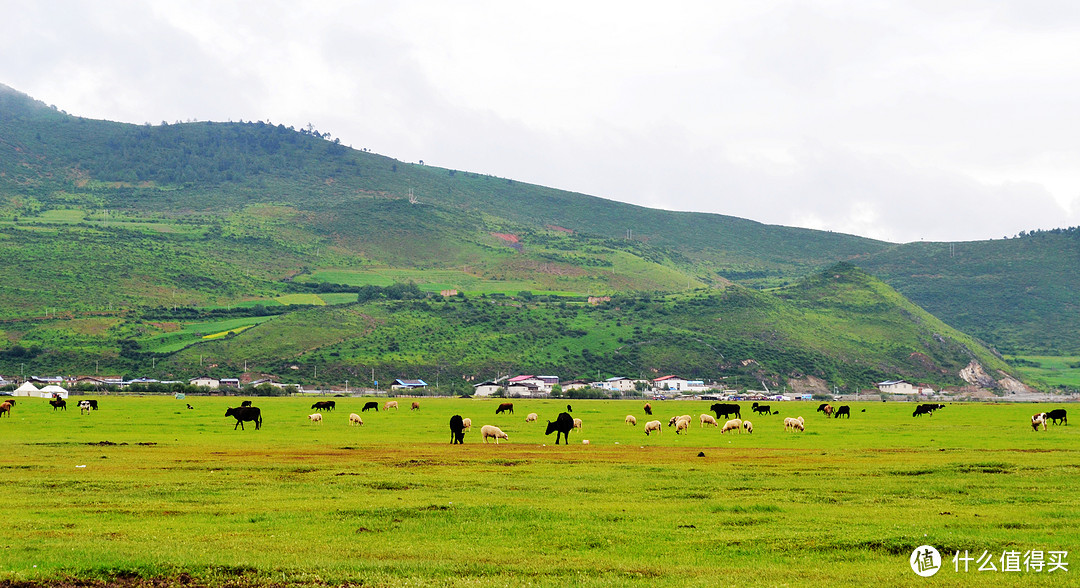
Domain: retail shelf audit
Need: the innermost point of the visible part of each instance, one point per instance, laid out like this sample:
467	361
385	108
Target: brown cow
505	407
415	406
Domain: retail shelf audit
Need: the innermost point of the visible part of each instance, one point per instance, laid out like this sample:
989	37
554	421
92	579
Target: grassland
178	336
182	497
1059	372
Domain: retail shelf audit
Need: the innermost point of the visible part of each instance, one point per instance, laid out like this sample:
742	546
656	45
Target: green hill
102	220
841	328
1019	295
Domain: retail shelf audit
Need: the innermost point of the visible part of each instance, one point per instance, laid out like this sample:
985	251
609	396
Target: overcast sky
901	121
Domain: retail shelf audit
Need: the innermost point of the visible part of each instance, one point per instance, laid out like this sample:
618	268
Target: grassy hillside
842	327
1018	294
100	217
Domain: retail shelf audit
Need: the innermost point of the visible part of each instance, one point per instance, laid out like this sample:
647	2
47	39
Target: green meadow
429	280
147	492
1057	371
181	335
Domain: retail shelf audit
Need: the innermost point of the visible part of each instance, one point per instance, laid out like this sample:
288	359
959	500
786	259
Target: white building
672	383
543	383
486	388
904	388
617	384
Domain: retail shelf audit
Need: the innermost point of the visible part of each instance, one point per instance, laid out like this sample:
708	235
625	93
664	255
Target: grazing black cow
568	409
562	426
326	405
190	407
370	405
505	407
723	410
58	403
761	408
844	410
821	407
1058	414
928	408
648	409
245	413
457	430
245	403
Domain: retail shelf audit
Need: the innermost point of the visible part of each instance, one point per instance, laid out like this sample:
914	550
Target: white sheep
675	419
493	432
577	423
791	424
532	417
631	419
466	424
390	404
584	441
654	426
732	425
315	418
1038	419
708	419
354	419
682	425
748	426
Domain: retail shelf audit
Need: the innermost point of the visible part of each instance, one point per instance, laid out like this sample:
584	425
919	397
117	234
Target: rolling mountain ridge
104	220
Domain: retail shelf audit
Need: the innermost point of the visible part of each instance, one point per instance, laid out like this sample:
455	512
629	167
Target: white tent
26	389
48	391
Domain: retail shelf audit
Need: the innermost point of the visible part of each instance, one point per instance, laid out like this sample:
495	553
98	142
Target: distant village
520	386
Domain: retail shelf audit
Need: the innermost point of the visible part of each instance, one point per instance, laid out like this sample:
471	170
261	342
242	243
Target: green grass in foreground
145	488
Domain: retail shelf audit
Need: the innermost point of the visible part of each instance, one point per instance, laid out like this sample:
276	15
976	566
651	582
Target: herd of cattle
565	423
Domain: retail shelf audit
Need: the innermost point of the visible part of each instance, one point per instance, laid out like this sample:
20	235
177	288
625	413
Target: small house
205	382
400	384
523	390
904	388
672	383
486	388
